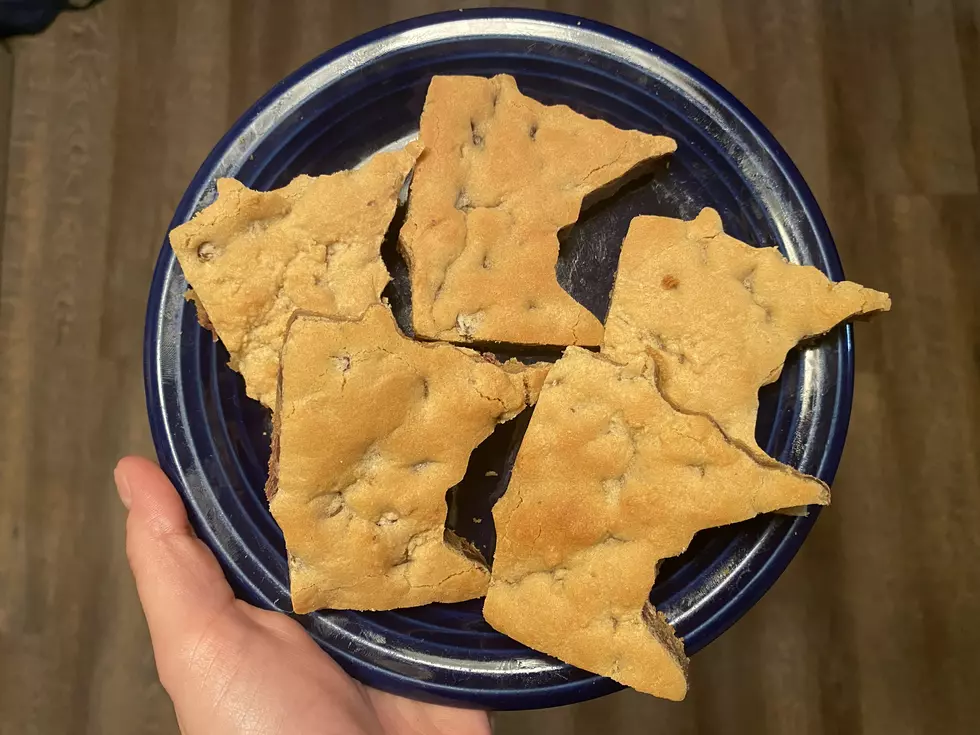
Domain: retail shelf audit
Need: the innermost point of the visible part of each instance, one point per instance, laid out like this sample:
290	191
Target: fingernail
122	487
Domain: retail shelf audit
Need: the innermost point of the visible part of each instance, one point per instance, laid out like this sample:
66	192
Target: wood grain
873	629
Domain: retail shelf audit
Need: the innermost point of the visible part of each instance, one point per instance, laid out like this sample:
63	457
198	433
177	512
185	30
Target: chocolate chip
206	251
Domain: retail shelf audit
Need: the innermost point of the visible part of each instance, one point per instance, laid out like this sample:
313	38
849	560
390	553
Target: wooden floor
875	627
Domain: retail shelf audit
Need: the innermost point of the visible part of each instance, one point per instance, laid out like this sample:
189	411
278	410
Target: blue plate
367	95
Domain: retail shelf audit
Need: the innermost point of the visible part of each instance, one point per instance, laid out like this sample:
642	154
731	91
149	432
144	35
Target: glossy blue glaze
367	94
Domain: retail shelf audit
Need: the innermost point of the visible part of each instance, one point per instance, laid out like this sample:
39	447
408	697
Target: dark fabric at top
18	17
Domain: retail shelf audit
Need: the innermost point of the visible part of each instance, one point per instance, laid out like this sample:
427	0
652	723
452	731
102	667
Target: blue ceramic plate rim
235	146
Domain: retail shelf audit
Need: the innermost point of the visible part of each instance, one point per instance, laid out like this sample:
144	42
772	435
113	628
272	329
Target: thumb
180	585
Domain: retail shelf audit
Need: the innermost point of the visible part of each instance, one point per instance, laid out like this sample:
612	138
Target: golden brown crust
718	316
371	431
253	258
202	315
500	176
609	480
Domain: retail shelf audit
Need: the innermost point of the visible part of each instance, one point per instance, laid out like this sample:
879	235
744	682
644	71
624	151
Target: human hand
231	668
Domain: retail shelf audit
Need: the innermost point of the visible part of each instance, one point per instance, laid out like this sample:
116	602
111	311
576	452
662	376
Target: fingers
180	584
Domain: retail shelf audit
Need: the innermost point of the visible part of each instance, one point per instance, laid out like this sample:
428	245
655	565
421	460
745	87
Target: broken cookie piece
718	316
371	431
254	258
500	176
610	480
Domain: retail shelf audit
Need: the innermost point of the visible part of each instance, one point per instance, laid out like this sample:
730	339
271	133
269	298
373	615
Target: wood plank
872	629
